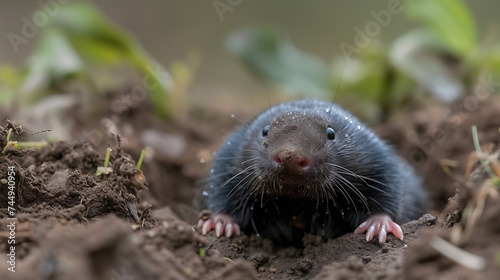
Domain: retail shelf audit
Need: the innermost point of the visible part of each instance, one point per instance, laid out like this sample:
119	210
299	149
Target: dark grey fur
368	177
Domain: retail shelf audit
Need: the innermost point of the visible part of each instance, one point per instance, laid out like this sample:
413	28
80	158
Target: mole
309	166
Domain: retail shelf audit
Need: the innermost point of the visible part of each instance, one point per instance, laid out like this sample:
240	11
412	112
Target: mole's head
298	147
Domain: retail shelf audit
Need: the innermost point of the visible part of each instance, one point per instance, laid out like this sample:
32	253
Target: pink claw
222	224
379	224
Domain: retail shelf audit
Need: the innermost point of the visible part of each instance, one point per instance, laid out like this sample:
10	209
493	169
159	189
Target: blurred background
174	30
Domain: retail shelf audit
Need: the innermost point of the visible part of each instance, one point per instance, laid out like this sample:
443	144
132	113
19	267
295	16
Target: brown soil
72	224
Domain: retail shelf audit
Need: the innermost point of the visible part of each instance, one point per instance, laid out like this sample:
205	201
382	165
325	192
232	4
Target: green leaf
98	40
79	38
273	58
9	76
488	62
81	19
53	59
364	75
449	20
9	80
95	51
420	55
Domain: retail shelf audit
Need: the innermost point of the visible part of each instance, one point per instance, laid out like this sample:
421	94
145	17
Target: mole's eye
265	131
330	134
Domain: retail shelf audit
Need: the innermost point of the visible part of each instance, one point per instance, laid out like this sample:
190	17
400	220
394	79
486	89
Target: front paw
223	224
379	224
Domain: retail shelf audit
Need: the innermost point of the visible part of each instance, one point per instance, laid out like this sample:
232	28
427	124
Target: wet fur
355	175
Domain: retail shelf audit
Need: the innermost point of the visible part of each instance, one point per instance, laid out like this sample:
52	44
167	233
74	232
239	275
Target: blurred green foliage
9	79
442	58
449	21
80	44
270	55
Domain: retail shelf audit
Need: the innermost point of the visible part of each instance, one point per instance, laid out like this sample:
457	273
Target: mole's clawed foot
222	224
379	224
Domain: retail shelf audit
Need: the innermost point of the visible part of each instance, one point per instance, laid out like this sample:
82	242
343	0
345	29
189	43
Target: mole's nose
292	160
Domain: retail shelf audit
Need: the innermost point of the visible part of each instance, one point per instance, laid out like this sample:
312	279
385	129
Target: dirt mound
73	224
326	258
437	141
470	222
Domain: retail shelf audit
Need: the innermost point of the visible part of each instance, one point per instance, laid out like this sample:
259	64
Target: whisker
355	191
211	177
363	178
366	183
238	174
329	189
249	160
345	194
242	180
253	183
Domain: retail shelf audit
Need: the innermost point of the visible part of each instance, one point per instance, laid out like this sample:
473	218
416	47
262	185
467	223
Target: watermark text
11	218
